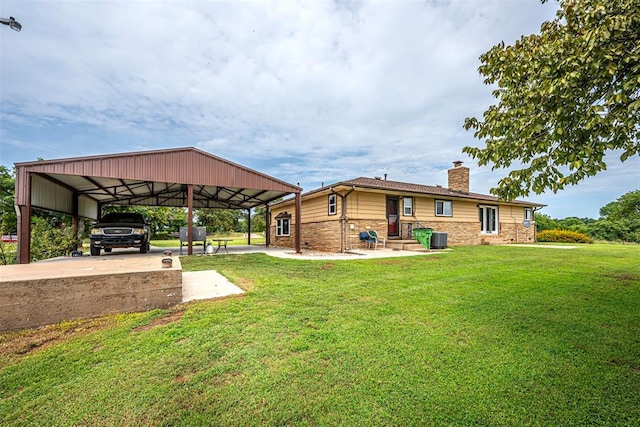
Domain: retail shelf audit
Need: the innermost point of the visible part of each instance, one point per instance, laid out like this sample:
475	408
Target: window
283	221
488	219
333	204
443	208
527	214
407	206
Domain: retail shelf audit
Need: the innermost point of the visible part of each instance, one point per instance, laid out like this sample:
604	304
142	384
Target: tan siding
511	214
365	205
463	211
316	209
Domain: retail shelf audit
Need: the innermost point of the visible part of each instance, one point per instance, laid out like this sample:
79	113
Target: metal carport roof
177	177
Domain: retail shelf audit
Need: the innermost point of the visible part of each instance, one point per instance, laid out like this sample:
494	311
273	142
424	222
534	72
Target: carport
180	177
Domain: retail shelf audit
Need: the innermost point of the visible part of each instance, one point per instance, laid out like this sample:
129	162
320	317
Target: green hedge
562	236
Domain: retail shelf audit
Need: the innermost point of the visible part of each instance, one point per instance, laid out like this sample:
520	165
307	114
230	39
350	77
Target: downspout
343	214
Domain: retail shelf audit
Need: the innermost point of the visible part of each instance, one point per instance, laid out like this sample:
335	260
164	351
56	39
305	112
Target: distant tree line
619	221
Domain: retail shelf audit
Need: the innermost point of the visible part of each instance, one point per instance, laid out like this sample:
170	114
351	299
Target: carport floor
208	284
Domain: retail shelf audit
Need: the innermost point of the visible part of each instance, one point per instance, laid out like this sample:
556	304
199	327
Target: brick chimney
459	177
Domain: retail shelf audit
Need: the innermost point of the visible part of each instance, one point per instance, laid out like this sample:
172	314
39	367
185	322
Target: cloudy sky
308	92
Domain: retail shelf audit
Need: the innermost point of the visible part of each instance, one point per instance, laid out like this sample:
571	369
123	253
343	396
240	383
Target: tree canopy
566	97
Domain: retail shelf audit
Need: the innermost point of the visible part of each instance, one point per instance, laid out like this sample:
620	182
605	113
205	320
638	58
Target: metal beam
190	219
23	213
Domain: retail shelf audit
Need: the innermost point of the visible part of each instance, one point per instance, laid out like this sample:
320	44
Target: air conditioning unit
438	240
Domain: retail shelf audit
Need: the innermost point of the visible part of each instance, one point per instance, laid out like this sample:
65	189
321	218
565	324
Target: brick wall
459	179
319	236
458	233
325	235
517	233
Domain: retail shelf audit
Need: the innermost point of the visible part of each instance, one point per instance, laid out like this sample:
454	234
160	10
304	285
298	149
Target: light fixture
12	23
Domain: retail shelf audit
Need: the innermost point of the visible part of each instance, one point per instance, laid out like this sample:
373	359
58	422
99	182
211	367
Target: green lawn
237	241
477	336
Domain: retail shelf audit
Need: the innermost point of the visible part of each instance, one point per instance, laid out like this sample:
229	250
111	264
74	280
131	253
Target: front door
393	228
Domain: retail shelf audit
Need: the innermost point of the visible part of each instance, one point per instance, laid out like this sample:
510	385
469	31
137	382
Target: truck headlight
139	231
96	231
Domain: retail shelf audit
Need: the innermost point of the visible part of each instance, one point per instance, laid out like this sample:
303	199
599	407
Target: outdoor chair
367	239
377	239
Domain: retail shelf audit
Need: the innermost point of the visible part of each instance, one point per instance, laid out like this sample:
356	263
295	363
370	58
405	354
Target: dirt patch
244	284
389	262
624	279
22	343
174	316
328	266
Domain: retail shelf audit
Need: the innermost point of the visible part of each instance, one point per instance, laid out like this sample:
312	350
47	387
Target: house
333	216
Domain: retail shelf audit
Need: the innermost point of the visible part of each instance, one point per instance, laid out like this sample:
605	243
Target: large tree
566	97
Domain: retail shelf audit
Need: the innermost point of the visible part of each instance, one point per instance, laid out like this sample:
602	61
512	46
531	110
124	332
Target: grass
477	336
238	240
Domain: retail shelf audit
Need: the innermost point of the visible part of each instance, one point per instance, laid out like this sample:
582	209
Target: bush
161	235
8	253
48	241
562	236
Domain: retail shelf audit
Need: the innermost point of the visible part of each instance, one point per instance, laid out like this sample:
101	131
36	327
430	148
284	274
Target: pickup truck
120	230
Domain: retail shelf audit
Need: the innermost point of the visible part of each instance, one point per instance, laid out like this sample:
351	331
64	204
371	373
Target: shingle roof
383	184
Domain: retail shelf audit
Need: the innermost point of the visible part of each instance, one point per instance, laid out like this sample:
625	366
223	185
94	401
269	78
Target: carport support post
24	233
75	220
190	219
249	226
298	220
23	212
267	228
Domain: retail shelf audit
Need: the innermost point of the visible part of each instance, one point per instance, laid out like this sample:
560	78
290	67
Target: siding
463	211
365	205
49	195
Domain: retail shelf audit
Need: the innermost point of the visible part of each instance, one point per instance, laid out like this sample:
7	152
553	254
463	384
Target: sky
309	92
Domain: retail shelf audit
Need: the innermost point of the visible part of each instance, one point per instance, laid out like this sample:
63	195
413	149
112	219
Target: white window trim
280	226
333	203
528	214
444	211
404	206
497	220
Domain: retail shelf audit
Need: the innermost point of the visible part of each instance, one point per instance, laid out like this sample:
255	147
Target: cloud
306	91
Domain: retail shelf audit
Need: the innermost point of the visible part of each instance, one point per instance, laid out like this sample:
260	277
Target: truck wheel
95	251
144	248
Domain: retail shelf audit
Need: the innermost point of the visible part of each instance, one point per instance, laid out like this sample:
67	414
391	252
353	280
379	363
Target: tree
8	218
258	219
620	219
626	206
566	97
218	220
162	220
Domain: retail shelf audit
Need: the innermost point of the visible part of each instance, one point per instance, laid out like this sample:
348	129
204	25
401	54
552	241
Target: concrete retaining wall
34	295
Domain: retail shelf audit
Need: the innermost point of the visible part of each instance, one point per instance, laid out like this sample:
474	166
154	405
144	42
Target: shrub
562	236
8	253
48	241
161	235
